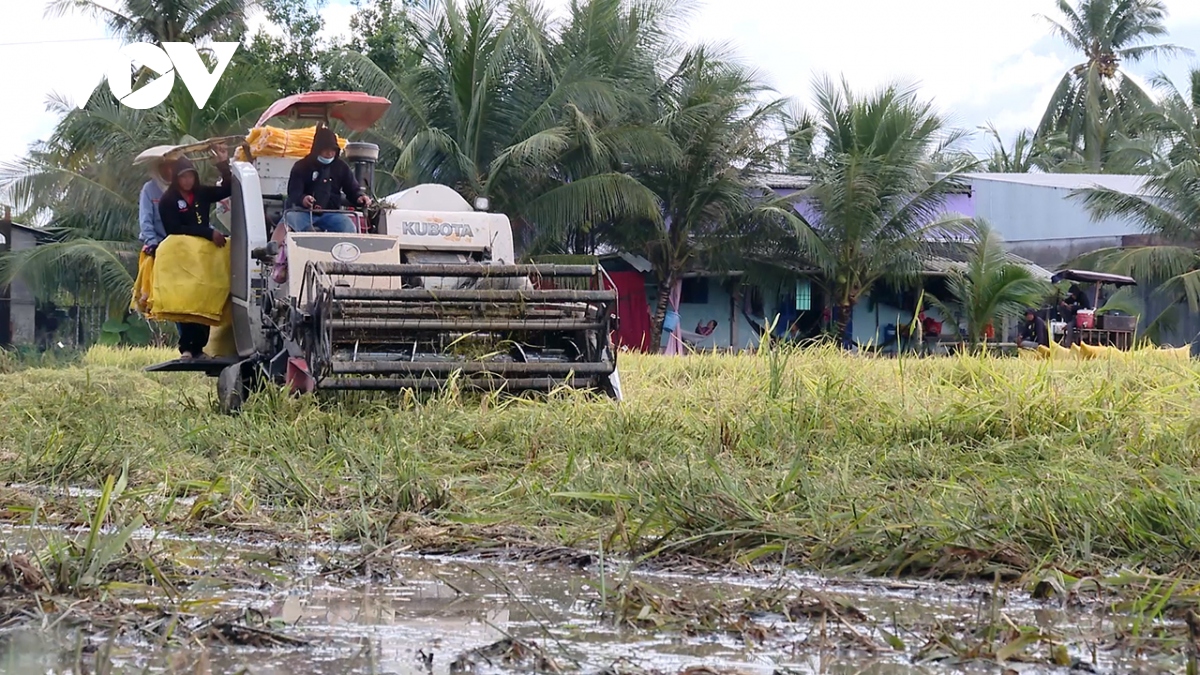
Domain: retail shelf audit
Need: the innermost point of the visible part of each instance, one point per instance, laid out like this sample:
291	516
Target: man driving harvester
316	185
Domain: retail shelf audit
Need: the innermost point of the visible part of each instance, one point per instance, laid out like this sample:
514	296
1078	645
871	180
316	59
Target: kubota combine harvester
427	291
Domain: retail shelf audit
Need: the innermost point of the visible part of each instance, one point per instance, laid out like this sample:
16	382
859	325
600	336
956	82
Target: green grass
953	465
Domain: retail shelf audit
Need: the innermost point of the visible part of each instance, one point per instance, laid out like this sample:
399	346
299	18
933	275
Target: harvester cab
426	292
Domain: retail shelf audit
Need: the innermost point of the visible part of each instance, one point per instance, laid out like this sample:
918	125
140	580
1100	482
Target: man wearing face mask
317	184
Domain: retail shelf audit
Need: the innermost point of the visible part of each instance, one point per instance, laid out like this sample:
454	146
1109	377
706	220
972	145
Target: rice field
962	466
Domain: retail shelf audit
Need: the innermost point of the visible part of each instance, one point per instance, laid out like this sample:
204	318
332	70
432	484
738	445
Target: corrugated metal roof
1067	181
785	181
948	257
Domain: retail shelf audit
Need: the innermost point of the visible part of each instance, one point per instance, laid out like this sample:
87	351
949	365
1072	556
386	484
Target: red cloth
632	310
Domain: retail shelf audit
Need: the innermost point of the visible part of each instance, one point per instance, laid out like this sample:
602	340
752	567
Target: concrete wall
719	307
21	302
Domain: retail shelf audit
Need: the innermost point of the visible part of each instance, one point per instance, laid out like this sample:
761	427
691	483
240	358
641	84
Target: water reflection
432	612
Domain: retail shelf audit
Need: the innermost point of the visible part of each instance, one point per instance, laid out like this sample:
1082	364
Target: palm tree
82	183
1097	103
991	289
162	20
1177	117
713	110
875	203
497	106
1029	153
1167	207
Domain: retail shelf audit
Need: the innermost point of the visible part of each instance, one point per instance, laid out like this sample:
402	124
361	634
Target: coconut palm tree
1177	118
1167	207
499	104
991	289
1096	102
713	110
875	203
162	20
1030	152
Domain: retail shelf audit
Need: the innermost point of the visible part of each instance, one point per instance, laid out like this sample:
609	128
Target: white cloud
44	56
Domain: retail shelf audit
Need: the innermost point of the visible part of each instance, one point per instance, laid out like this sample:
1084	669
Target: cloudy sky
980	60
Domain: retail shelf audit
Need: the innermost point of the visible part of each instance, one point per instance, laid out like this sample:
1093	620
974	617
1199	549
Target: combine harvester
426	293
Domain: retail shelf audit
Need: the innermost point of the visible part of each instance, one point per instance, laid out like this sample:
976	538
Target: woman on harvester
185	209
150	230
316	185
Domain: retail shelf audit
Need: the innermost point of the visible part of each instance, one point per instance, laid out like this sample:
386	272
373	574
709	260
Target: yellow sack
276	142
143	286
1183	353
220	338
1088	352
191	281
1055	351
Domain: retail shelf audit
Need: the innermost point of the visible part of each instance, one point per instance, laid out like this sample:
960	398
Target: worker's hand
308	201
149	250
220	152
218	239
364	201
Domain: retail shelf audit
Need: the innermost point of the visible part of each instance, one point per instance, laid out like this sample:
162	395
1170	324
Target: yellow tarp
220	338
143	285
191	281
276	142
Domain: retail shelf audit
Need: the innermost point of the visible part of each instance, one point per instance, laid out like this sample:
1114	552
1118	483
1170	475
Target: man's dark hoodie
188	213
323	182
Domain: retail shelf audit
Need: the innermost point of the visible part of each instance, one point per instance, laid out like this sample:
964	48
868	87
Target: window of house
803	295
694	291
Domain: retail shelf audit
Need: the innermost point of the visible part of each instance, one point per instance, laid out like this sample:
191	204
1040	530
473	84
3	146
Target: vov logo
168	61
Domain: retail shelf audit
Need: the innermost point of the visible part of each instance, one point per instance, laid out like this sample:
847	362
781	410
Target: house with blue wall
742	303
1044	228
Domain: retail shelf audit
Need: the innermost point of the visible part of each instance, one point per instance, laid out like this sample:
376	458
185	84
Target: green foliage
130	330
1097	107
991	289
289	63
875	204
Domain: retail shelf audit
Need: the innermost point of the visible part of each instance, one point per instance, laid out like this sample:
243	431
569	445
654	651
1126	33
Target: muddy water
430	612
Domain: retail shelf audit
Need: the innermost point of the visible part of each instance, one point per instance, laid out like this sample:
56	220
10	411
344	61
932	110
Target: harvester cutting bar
445	310
544	368
463	324
456	270
489	295
433	383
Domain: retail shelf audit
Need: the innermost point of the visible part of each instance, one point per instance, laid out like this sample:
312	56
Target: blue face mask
325	160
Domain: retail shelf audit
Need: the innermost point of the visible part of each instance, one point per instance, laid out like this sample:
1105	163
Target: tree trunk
841	323
735	307
660	311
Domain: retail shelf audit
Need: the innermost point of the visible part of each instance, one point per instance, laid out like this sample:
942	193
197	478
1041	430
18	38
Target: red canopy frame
358	111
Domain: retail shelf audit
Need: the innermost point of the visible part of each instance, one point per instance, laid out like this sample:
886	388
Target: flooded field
269	609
